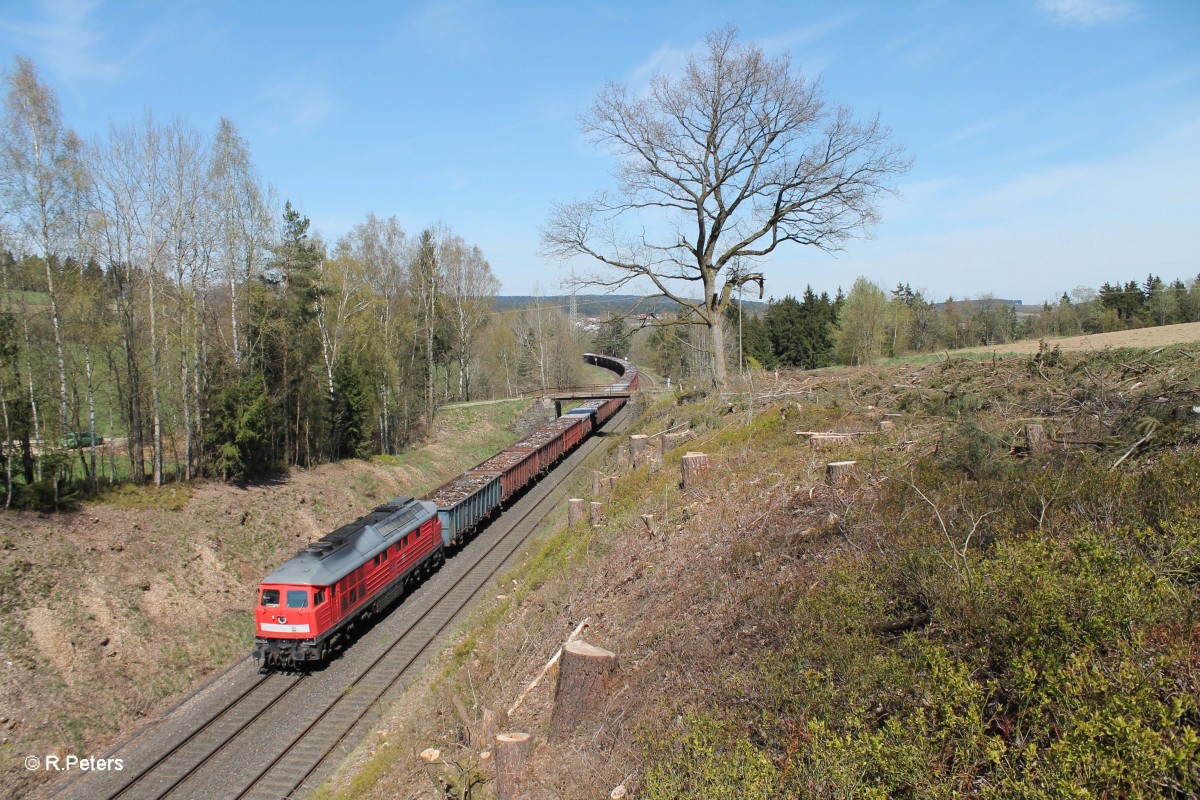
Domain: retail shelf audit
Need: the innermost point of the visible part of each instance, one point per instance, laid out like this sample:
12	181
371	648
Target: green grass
170	497
1053	640
591	374
17	297
477	433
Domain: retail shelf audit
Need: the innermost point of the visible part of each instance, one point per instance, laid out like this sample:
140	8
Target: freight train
312	604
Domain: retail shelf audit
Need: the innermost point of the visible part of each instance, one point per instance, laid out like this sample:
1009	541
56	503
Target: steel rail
360	704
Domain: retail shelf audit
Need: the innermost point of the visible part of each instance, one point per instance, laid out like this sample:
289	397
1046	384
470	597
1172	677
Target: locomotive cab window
319	597
297	598
270	597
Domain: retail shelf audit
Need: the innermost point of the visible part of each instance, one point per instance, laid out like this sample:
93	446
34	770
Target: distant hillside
599	305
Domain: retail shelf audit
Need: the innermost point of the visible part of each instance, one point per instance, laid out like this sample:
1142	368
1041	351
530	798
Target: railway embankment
110	613
993	594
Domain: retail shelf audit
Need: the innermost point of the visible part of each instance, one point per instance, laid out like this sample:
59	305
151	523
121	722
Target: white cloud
301	102
930	45
66	38
1046	147
1032	236
1087	13
789	40
667	59
986	125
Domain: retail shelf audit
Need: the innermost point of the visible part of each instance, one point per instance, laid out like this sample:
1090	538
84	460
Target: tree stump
512	764
648	522
824	441
886	425
598	483
586	673
1035	438
637	448
839	473
622	456
612	483
658	444
481	733
596	513
576	507
691	466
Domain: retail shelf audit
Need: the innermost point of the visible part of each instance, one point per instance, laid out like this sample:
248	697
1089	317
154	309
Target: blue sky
1056	142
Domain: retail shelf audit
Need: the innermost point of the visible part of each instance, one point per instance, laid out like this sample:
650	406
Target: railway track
161	777
237	751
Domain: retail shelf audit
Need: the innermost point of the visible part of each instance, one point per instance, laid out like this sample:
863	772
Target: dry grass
1147	338
698	607
108	596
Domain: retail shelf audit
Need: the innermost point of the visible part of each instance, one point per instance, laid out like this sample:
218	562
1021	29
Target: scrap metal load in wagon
314	603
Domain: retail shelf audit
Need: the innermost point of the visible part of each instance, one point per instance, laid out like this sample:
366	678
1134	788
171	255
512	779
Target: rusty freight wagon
546	443
572	431
586	414
516	468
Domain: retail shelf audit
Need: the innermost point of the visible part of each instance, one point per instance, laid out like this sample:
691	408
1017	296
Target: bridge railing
591	390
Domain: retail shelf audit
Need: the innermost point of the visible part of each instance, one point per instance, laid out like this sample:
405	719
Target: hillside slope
1000	601
110	613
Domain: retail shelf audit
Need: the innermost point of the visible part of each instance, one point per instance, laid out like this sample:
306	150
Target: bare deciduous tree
719	167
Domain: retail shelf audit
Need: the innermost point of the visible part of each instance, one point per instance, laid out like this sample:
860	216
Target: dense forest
156	295
869	324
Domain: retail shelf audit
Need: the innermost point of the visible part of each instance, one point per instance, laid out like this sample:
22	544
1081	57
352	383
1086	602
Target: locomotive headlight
283	620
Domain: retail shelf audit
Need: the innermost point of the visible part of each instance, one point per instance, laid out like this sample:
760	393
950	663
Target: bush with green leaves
1052	655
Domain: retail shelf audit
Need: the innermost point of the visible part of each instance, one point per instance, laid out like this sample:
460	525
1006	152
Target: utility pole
741	357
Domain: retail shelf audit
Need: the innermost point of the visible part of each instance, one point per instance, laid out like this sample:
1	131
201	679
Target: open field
1141	337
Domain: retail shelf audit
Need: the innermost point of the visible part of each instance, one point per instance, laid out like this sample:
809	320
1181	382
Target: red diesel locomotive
307	605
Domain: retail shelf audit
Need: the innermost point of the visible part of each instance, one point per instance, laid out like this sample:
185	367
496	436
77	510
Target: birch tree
381	246
343	296
470	292
40	159
244	225
115	205
187	251
426	277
